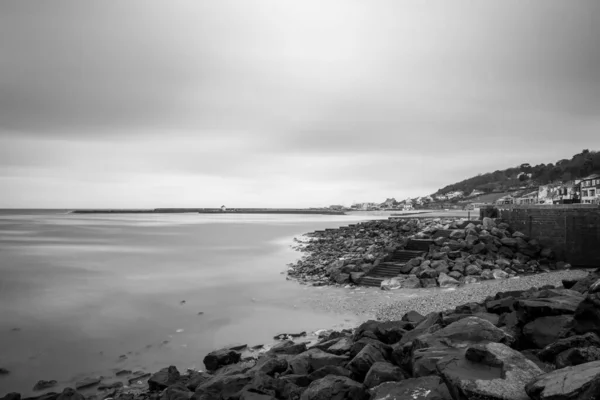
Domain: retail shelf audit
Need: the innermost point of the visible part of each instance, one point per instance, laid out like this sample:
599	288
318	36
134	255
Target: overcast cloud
286	103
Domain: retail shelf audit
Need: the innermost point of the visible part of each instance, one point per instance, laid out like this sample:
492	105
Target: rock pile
461	252
540	344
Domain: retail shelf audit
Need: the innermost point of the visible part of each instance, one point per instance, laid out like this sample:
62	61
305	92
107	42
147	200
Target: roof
530	194
593	176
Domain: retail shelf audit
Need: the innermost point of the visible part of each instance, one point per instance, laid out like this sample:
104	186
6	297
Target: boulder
490	371
466	330
487	275
355	277
176	392
580	382
488	224
446	281
530	309
219	358
313	359
222	386
329	370
576	356
388	332
411	282
457	234
383	372
87	382
364	360
336	388
43	385
499	274
549	353
455	275
287	347
413	317
546	330
391	283
342	346
248	395
428	283
428	273
424	388
70	394
164	378
587	315
270	365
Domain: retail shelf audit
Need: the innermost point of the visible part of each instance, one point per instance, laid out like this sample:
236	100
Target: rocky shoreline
541	343
457	252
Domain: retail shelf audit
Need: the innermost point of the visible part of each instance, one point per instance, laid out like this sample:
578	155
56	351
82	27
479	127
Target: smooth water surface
78	291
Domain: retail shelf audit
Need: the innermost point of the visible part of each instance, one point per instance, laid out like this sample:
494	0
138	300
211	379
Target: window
584	193
592	192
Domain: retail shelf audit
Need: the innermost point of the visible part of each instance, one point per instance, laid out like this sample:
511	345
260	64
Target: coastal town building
336	207
528	198
508	199
590	189
476	192
455	195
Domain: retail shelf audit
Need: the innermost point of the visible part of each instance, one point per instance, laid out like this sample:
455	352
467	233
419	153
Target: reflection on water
78	291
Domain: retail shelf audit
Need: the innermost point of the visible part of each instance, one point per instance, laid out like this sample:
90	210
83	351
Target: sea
86	295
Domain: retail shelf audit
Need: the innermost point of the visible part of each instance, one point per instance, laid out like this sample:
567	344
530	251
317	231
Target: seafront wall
572	230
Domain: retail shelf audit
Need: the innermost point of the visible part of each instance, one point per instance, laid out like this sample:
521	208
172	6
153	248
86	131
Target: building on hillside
440	197
547	193
476	192
455	195
528	198
389	203
590	189
508	199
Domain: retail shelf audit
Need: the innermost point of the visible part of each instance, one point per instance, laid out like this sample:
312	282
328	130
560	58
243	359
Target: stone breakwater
459	252
541	344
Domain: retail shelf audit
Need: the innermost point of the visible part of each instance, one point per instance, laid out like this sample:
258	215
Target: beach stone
580	382
298	380
455	275
473	270
164	378
413	317
488	224
355	277
466	330
70	394
335	387
196	378
499	274
530	309
546	330
446	281
391	283
428	283
424	388
383	372
576	356
411	282
428	273
388	332
490	371
342	346
218	358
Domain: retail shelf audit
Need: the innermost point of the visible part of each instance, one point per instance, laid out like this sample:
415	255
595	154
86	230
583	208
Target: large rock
313	359
287	347
530	309
489	371
329	370
270	365
587	315
383	372
546	330
219	358
488	224
163	378
388	332
424	388
334	387
391	283
364	360
176	392
342	346
549	353
222	386
576	356
473	270
70	394
581	382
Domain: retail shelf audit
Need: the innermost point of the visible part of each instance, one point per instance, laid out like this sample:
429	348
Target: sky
278	103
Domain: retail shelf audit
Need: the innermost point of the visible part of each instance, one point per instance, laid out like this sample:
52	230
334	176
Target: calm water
78	291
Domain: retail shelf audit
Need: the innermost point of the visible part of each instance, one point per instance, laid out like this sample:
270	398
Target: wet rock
546	330
70	394
473	270
248	395
138	376
335	387
110	385
577	356
270	365
383	372
164	378
424	388
580	382
342	346
413	317
287	347
428	283
489	371
386	331
12	396
123	372
312	360
43	385
4	371
298	380
219	358
196	378
530	309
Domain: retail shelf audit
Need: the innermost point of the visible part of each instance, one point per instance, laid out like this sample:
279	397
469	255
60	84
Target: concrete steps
419	244
390	268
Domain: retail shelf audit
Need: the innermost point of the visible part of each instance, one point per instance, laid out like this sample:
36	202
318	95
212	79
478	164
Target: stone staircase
391	268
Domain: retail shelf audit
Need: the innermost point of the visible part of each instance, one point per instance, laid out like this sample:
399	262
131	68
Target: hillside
580	165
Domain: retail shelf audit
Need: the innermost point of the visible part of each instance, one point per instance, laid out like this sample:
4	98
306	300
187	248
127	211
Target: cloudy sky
200	103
